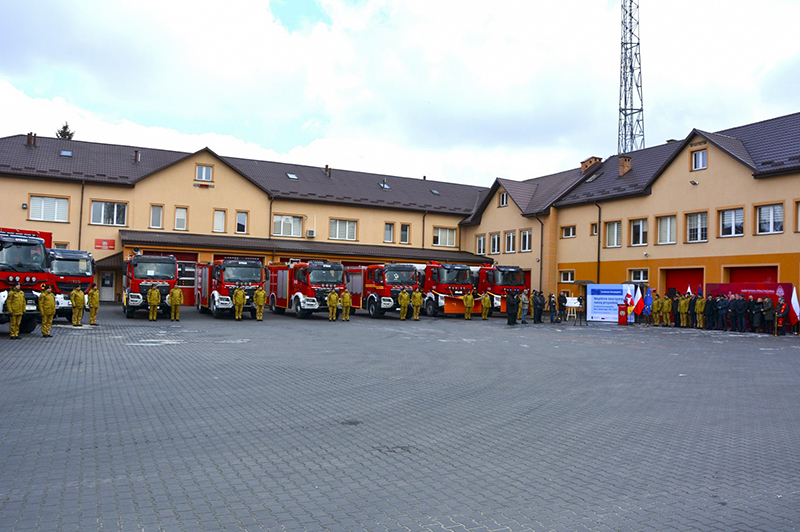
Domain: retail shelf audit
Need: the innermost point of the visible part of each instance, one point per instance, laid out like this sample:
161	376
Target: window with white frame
241	222
504	199
667	229
405	233
388	232
640	276
444	236
770	219
181	218
204	173
593	229
287	225
511	241
697	227
525	240
639	232
480	245
156	216
699	160
343	229
46	209
613	234
568	231
731	222
109	213
494	241
219	221
567	276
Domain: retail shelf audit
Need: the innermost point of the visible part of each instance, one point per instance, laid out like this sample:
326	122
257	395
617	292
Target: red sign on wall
101	243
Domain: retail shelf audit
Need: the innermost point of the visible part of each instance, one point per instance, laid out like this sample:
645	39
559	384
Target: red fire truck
139	273
69	269
303	287
444	287
376	287
23	260
499	281
216	282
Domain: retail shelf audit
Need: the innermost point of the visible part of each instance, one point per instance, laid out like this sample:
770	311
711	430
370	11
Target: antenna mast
631	107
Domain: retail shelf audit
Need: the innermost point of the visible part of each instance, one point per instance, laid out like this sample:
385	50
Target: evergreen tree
64	132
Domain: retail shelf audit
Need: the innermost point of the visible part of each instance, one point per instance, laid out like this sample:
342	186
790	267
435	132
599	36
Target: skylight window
66	153
384	185
595	176
291	176
434	191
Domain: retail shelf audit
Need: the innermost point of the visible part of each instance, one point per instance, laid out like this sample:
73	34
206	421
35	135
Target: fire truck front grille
65	287
163	290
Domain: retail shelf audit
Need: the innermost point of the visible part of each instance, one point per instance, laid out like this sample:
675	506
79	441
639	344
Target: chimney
585	165
137	156
328	171
424	178
29	142
624	165
34	140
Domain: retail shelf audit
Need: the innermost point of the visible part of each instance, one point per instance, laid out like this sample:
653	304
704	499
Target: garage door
681	279
754	274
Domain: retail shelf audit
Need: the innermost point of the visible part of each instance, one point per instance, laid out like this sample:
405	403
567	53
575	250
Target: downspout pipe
80	214
541	250
424	215
599	238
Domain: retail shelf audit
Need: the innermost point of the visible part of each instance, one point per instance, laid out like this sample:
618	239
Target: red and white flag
689	289
638	302
794	307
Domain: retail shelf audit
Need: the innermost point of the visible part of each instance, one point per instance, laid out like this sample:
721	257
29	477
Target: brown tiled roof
287	246
112	261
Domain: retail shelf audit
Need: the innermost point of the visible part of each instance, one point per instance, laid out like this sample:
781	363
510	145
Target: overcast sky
462	90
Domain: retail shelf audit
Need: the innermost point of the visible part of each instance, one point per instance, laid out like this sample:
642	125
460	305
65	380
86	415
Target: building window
388	232
405	233
667	229
46	209
181	218
504	199
511	240
343	230
61	245
613	234
109	213
593	229
639	232
697	227
525	240
567	276
241	222
287	225
770	219
731	222
219	221
443	236
480	245
568	231
156	216
699	160
494	241
640	276
204	173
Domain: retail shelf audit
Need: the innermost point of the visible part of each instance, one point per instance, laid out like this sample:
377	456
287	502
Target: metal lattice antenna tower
631	107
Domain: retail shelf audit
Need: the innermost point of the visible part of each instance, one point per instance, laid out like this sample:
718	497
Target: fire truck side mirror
346	276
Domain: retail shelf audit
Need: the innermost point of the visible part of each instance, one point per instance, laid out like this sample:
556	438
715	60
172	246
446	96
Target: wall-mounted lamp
694	183
24	206
537	259
645	254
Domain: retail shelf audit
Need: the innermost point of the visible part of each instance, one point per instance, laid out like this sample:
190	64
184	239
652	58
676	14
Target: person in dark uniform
768	311
512	306
711	313
562	306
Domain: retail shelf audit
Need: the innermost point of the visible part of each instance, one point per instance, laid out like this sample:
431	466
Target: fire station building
713	207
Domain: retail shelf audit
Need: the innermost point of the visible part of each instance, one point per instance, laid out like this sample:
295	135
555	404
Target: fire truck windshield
154	270
242	274
401	277
510	278
453	276
72	267
326	276
22	257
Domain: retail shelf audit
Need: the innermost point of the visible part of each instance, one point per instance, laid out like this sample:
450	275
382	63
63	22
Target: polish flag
794	308
638	302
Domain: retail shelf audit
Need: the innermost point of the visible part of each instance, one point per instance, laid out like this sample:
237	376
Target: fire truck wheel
27	325
253	314
274	308
430	308
373	310
217	313
129	312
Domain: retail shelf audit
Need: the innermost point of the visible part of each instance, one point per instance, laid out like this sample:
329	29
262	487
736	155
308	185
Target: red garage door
680	280
754	274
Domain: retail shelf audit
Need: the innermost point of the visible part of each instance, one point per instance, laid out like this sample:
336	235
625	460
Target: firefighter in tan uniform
469	302
239	299
700	312
486	305
260	300
416	303
333	304
656	310
175	299
78	300
47	308
153	299
93	296
683	310
403	300
347	302
16	306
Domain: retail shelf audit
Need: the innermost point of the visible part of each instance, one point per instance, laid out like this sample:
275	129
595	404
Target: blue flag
648	302
699	290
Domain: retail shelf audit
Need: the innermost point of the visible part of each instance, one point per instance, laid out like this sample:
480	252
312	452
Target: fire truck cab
216	281
444	287
139	273
69	269
303	287
23	260
499	281
376	287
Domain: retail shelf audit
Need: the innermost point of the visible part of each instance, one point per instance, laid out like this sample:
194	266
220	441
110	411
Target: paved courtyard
437	425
